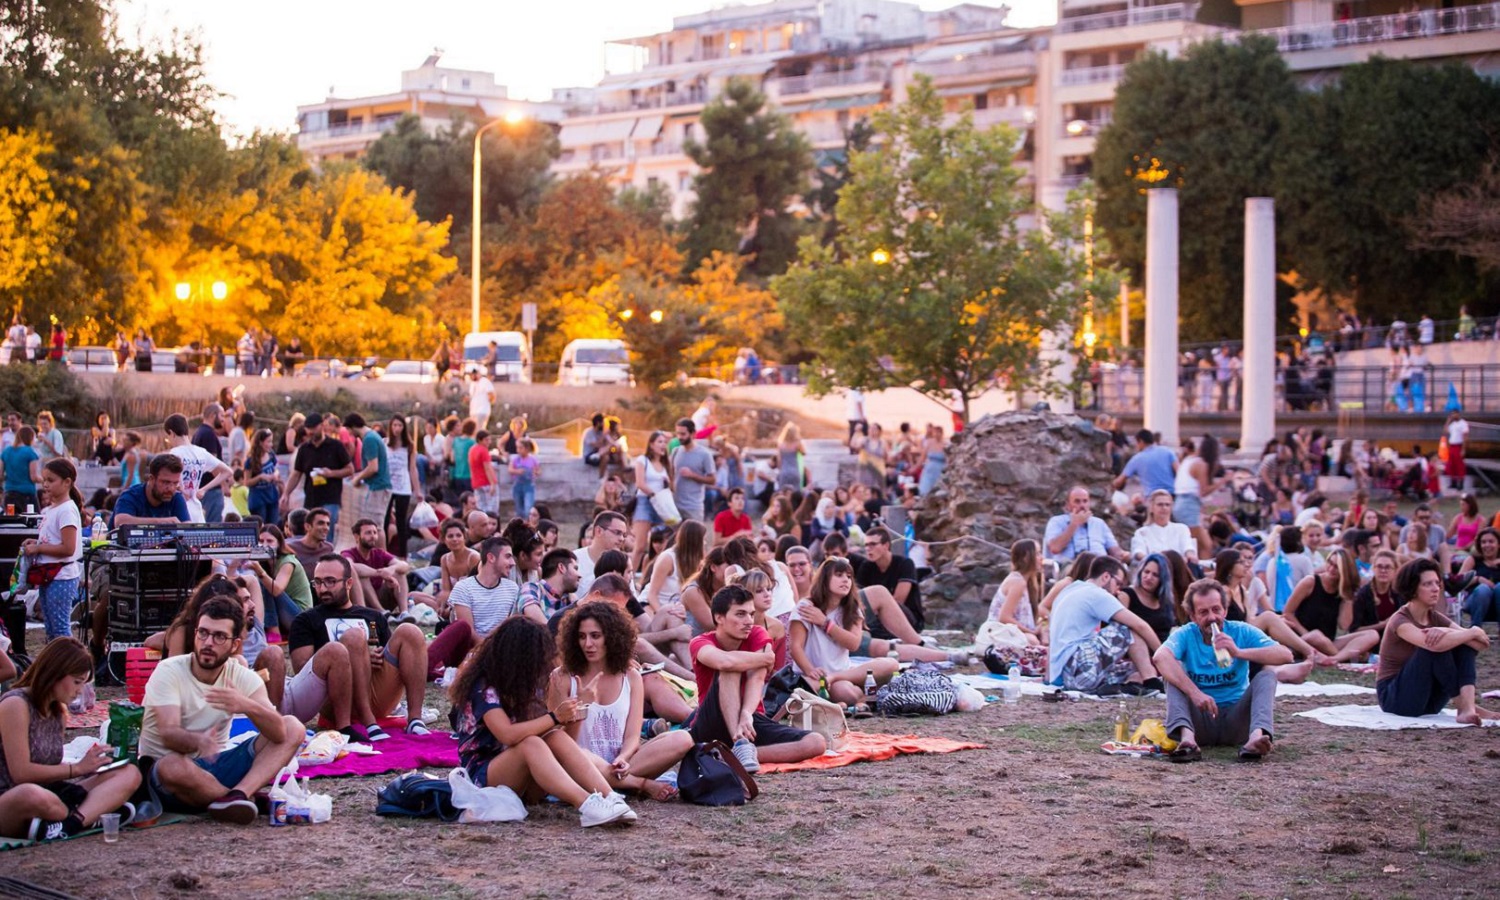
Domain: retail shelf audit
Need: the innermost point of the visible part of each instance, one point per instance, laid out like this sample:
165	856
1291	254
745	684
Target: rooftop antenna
432	59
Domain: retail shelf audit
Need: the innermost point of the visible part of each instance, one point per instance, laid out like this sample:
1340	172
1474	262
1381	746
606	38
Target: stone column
1161	408
1258	417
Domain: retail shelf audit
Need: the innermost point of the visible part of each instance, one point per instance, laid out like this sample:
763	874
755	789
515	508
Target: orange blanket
872	747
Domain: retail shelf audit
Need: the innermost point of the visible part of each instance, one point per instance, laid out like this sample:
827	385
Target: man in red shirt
375	569
731	665
732	522
483	475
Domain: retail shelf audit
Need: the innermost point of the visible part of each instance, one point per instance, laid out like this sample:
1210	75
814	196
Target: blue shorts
1188	510
228	768
645	512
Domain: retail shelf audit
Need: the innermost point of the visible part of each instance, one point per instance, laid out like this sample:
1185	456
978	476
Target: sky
268	57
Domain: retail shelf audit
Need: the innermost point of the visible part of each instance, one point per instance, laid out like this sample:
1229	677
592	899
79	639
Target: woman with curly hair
596	642
508	735
42	797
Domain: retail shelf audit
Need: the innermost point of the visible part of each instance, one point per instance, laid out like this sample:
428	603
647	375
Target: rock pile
1006	476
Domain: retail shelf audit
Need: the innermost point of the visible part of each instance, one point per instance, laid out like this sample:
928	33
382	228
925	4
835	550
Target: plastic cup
110	822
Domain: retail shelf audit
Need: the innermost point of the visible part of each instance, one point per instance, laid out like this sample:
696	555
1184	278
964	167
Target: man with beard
325	463
189	702
314	544
376	569
385	663
1210	703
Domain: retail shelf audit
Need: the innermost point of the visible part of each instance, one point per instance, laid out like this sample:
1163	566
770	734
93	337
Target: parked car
410	371
92	359
324	368
594	361
512	362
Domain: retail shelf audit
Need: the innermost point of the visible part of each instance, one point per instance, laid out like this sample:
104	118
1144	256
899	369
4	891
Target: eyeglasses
619	533
327	582
214	637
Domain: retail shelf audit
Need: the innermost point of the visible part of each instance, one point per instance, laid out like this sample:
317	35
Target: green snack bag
124	732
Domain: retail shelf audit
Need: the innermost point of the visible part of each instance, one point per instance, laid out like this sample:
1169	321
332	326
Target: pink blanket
400	753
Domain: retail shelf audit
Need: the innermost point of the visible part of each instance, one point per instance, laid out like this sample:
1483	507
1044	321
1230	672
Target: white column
1258	417
1161	314
1124	313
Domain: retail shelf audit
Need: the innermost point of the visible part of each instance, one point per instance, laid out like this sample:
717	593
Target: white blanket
1313	689
1373	718
1030	687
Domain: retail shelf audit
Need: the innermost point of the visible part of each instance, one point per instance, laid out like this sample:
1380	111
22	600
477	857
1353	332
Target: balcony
1378	29
981	64
805	84
660	148
378	126
1091	75
658	100
1144	15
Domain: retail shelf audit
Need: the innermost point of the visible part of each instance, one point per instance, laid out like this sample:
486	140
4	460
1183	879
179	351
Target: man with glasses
1078	529
609	531
190	700
1097	645
385	662
897	576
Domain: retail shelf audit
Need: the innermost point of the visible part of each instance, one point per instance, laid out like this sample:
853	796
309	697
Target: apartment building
344	128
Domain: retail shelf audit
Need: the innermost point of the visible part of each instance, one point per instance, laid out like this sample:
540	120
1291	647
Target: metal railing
1378	29
1139	16
806	84
1372	337
1090	75
1370	389
376	126
998	63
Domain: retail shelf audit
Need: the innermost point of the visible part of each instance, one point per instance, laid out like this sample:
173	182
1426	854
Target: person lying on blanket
731	665
43	798
1213	705
1425	658
595	642
1097	645
189	702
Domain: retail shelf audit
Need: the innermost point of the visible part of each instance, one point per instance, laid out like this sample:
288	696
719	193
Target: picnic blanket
90	718
167	819
1376	719
1314	689
1033	687
864	746
1030	687
401	752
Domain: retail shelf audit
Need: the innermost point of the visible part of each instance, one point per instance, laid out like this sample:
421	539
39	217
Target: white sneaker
744	751
617	797
600	810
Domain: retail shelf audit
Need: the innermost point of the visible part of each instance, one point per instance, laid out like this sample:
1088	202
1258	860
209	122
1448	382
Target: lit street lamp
513	117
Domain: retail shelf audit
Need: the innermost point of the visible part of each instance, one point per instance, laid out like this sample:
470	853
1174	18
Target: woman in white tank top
596	642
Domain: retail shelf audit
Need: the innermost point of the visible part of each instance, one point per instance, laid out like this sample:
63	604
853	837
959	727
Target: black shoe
1153	687
1114	690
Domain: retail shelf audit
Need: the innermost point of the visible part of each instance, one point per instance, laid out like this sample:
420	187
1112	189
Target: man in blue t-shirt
158	497
375	477
1153	465
1213	705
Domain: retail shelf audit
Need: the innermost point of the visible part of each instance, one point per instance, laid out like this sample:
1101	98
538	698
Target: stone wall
1007	474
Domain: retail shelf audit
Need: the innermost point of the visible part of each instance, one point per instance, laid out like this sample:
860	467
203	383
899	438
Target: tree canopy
935	279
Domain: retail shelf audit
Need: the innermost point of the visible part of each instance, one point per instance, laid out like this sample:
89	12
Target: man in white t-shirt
609	530
854	410
481	398
1458	433
190	700
197	465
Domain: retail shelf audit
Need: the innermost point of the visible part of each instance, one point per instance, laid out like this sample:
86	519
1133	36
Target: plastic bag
666	507
123	730
969	699
424	516
484	804
293	804
323	747
999	634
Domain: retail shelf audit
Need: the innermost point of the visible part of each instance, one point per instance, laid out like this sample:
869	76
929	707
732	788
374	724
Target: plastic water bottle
1013	684
870	686
98	531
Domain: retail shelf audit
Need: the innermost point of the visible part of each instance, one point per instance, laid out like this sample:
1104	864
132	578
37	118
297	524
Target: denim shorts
645	512
228	768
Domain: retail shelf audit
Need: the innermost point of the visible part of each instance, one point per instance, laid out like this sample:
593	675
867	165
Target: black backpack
710	775
416	795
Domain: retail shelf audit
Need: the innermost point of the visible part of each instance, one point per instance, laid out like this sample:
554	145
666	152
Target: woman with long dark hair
596	643
512	734
1195	481
41	797
1017	598
653	474
401	458
263	479
826	628
58	544
1152	597
282	580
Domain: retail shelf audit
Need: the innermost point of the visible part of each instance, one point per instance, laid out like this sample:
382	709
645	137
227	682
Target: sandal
1185	753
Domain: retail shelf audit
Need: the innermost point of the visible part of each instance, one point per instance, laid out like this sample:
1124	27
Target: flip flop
1185	753
1250	755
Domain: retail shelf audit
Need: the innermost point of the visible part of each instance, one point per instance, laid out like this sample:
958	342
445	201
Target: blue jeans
1482	604
213	505
265	505
333	517
523	492
57	601
286	609
1427	682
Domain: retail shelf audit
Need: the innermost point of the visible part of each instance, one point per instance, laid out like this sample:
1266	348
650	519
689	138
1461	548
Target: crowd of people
587	674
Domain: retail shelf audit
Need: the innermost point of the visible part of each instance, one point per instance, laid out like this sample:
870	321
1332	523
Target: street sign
528	317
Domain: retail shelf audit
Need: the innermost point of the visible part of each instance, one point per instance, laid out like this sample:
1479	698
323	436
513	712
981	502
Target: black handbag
710	775
779	689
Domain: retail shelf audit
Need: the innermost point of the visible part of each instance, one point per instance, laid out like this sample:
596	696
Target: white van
512	362
594	361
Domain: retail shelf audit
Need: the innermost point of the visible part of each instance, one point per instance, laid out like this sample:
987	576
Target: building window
465	84
981	101
652	182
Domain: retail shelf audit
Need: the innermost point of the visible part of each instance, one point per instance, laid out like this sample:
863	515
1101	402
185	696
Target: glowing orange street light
656	316
880	256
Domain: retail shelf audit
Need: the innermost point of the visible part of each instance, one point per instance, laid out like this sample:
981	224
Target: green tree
33	222
754	164
1352	177
1465	220
1211	124
934	280
833	173
439	168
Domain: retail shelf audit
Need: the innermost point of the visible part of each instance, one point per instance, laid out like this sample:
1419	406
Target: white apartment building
344	128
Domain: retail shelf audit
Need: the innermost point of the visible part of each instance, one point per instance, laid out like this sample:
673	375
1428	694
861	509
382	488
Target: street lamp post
186	291
510	118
